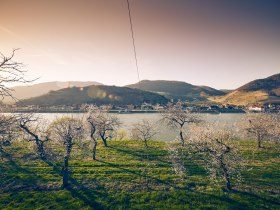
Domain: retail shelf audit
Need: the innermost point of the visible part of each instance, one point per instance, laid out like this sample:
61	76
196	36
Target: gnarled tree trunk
94	149
65	171
226	175
104	139
41	149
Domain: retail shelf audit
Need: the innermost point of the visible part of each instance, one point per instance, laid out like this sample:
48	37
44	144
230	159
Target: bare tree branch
8	129
260	126
143	131
220	153
36	128
11	72
67	131
175	116
103	123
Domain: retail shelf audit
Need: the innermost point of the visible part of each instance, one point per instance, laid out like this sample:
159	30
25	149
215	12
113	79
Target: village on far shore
148	108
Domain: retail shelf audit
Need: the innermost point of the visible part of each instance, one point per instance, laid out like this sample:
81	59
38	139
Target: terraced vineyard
128	176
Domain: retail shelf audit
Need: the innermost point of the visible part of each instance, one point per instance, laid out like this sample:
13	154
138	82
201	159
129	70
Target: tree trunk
92	132
226	175
41	150
65	172
146	143
104	139
259	141
228	182
105	142
94	149
38	141
259	144
1	151
182	138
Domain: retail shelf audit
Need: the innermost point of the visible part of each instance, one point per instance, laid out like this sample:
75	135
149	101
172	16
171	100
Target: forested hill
98	95
262	91
271	83
177	89
25	92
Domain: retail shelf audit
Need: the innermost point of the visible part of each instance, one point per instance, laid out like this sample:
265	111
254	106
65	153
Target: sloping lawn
128	176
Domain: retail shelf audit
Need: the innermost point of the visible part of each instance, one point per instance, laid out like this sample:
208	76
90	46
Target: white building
256	109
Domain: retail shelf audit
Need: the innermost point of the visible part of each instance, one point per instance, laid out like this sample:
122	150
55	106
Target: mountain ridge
177	89
96	94
29	91
259	91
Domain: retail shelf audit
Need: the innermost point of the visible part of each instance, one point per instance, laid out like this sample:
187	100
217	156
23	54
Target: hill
177	90
24	92
98	95
258	91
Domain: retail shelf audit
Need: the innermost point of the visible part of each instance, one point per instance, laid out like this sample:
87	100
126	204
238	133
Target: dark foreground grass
127	176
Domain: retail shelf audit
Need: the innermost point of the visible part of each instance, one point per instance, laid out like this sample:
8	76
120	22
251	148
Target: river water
165	133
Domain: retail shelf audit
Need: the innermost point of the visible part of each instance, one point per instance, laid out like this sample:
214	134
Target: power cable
133	40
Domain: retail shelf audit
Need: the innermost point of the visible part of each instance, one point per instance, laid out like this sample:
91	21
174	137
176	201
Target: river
164	133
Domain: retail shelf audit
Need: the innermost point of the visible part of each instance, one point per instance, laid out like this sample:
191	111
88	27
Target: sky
218	43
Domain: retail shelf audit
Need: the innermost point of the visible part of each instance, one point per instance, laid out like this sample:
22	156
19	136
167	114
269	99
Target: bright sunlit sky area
222	44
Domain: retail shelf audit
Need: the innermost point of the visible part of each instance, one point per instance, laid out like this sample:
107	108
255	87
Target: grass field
128	176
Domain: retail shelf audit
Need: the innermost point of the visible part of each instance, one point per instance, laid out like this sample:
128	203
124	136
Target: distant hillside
226	91
258	91
269	84
177	90
24	92
98	95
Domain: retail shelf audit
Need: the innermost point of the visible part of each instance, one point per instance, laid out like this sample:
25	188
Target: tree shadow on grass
99	198
77	190
147	155
10	175
157	180
141	155
192	168
87	195
219	201
252	196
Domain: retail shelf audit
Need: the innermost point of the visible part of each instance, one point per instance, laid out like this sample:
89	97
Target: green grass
128	176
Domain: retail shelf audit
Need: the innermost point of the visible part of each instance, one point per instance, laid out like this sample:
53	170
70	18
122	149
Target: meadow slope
128	176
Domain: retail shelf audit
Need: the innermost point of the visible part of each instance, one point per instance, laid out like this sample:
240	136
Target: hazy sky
219	43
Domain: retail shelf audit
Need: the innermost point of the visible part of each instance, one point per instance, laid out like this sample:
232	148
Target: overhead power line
133	40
